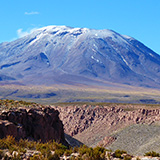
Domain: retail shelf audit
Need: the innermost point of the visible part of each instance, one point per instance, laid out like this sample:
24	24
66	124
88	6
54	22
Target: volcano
65	55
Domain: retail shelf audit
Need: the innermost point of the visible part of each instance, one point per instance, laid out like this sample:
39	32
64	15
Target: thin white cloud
21	33
31	13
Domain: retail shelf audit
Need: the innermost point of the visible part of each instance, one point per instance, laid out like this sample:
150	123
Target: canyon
134	128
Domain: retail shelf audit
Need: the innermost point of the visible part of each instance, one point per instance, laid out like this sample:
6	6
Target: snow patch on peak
75	33
151	54
97	60
50	29
60	29
124	60
125	36
128	37
53	27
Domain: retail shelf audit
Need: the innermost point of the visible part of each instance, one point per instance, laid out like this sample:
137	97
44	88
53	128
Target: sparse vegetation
10	104
15	150
45	150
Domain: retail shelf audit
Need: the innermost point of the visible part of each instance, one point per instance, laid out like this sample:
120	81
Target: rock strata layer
33	124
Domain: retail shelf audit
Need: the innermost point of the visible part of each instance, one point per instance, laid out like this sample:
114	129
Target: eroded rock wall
34	124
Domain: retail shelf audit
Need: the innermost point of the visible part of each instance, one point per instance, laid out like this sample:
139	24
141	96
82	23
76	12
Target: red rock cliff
34	124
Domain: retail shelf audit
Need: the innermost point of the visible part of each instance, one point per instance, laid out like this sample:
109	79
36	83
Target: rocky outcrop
34	124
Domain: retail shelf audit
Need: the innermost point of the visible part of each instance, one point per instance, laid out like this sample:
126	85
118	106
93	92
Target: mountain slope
65	55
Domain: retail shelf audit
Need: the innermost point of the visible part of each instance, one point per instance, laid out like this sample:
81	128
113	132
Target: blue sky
137	18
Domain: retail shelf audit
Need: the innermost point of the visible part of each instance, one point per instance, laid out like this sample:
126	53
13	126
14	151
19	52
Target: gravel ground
138	139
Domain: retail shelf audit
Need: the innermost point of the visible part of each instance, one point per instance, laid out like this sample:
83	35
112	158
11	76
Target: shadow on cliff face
72	141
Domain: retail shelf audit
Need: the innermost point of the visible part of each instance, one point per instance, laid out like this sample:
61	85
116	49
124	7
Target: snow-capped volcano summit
60	54
69	31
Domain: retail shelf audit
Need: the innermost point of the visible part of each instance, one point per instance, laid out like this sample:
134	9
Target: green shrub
84	149
98	153
152	154
16	157
22	150
118	153
1	154
40	146
59	152
55	146
68	152
75	149
13	148
37	157
54	157
31	145
3	144
8	142
22	143
127	157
